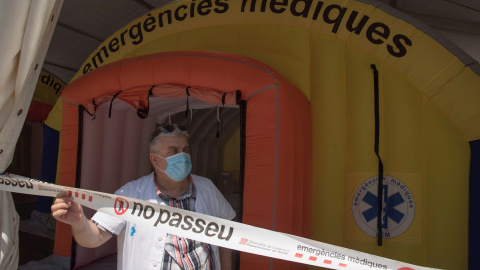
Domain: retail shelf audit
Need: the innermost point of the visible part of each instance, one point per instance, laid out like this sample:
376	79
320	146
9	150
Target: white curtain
26	28
9	227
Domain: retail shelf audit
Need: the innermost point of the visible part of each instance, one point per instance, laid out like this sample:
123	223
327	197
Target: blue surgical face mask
179	166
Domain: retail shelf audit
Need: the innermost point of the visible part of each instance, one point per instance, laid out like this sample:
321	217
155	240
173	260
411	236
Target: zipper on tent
143	113
243	144
78	173
220	116
111	104
380	164
188	95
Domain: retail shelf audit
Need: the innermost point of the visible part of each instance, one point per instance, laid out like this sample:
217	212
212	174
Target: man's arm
225	258
89	235
85	232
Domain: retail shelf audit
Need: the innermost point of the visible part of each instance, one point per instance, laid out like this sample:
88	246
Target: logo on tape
243	241
398	207
121	206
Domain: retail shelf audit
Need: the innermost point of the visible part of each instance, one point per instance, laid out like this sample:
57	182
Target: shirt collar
190	192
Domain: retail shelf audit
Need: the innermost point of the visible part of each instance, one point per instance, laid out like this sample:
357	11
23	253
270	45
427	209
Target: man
171	183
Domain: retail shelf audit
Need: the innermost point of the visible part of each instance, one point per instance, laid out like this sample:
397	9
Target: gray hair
164	131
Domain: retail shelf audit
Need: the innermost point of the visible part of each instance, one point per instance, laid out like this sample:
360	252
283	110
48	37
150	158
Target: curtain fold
26	28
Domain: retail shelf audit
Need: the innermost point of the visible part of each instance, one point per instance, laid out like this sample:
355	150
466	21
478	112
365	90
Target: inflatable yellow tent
389	99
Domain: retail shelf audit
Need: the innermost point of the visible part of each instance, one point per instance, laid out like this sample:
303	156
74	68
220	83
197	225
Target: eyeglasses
171	128
166	129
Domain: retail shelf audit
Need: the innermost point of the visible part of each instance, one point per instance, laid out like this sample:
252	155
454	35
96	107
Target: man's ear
153	158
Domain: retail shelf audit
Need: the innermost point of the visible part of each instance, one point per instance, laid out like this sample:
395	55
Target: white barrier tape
212	230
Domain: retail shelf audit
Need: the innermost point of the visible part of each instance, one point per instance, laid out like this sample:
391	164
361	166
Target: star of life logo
398	207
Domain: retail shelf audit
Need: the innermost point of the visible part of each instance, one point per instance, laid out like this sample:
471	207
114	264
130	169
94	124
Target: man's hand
66	210
85	232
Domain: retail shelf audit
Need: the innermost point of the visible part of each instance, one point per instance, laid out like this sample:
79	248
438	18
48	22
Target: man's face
169	146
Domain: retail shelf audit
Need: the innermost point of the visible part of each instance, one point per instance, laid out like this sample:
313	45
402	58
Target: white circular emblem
398	207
